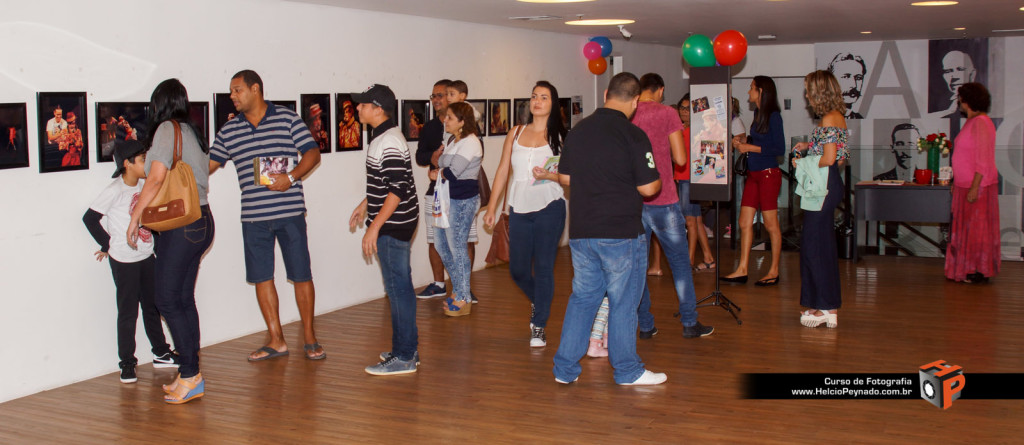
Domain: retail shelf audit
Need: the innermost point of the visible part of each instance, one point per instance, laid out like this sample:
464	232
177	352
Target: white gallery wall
58	313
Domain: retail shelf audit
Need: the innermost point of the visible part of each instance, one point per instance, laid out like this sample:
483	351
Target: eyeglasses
437	95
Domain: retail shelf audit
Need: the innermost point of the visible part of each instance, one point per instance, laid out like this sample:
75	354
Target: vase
933	160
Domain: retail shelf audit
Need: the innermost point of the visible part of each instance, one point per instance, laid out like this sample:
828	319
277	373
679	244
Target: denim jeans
603	267
178	253
668	223
451	244
393	255
533	244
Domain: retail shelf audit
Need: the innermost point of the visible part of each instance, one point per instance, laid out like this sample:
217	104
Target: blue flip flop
271	353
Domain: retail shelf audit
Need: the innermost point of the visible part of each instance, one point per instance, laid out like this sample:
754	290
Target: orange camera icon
941	383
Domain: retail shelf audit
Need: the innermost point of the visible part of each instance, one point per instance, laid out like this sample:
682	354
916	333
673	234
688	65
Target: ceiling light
766	37
553	1
536	18
934	3
599	22
1008	30
865	32
959	29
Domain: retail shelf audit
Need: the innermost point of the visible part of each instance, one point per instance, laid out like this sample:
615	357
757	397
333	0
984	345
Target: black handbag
740	167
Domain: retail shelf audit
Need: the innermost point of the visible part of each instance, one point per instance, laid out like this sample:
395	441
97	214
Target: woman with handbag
178	250
763	181
536	220
459	166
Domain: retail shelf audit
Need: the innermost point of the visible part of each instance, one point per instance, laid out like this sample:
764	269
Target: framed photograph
316	113
522	110
413	116
14	122
565	103
350	130
199	115
481	111
289	104
119	121
223	110
497	117
63	132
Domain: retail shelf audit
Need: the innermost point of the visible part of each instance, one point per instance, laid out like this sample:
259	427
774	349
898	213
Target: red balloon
598	65
592	50
730	47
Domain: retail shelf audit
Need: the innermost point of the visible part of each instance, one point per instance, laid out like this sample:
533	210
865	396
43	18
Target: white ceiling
671	21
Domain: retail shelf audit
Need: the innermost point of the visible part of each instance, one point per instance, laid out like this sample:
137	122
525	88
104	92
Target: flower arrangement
934	141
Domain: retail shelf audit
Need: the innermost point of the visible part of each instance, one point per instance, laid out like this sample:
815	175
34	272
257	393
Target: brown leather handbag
177	203
499	250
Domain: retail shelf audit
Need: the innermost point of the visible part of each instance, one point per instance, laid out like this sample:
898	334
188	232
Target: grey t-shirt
191	153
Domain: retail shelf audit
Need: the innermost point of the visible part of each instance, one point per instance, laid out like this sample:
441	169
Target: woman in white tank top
537	204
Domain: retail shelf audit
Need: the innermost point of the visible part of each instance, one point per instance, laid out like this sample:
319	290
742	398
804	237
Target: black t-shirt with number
607	158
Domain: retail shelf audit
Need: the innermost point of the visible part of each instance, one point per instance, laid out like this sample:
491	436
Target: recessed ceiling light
934	3
599	22
865	32
553	1
1008	30
959	28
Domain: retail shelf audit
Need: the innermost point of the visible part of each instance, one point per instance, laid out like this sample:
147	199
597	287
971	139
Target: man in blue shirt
264	131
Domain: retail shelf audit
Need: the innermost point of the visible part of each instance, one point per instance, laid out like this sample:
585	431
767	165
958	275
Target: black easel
720	298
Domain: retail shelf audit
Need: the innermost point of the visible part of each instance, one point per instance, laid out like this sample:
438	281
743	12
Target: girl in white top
537	214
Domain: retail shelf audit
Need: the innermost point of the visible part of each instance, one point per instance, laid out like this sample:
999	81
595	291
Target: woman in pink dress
972	255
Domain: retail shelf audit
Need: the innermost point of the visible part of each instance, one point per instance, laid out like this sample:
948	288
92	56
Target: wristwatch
291	178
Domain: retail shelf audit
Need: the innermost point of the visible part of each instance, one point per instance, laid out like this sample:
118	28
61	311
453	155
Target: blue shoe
384	356
192	390
392	366
432	290
453	310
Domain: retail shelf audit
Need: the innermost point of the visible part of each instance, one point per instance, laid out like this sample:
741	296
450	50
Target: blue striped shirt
281	133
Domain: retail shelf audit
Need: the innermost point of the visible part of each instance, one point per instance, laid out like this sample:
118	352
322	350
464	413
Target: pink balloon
592	50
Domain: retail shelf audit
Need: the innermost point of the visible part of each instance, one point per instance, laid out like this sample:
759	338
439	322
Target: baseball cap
379	95
125	150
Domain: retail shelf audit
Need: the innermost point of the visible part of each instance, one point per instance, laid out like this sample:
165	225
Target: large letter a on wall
889	51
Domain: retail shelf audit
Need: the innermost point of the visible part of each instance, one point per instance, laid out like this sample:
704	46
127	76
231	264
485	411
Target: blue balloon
606	45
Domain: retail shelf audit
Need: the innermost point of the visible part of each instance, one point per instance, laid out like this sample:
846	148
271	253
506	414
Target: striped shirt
389	170
281	133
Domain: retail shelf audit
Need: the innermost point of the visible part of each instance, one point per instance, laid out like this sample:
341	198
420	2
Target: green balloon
699	51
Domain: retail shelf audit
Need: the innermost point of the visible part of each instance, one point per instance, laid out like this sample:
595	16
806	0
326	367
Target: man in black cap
391	211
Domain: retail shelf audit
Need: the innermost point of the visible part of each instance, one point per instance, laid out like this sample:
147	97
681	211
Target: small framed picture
522	110
223	111
565	104
119	121
413	116
497	119
63	132
481	112
350	130
289	104
13	123
199	115
316	113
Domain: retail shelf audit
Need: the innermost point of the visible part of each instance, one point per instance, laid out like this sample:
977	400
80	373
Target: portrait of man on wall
952	63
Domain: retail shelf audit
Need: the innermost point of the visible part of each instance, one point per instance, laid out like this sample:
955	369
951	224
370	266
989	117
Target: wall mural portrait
952	63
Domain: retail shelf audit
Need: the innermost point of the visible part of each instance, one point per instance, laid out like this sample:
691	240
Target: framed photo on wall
497	119
199	115
413	114
119	121
565	104
14	123
481	110
522	110
350	130
223	110
63	132
289	104
316	113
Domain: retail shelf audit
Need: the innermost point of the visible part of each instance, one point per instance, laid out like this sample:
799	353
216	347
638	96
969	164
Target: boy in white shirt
133	269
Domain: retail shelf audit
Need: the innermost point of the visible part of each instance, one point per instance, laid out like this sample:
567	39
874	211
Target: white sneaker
537	337
564	382
648	378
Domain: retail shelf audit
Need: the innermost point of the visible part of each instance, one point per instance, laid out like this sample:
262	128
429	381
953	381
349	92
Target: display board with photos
14	123
710	153
316	113
63	132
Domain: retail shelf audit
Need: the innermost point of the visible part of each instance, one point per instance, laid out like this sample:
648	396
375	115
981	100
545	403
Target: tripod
720	298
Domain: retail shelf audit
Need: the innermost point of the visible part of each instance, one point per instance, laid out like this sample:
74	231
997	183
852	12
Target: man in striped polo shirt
391	212
264	133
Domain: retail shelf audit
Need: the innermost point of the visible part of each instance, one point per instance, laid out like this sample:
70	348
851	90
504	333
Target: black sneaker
168	360
473	298
386	355
648	334
128	373
697	330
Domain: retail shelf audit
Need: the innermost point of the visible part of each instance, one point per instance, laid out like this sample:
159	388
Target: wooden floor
481	383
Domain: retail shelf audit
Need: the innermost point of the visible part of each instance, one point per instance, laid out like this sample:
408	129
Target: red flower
932	137
942	134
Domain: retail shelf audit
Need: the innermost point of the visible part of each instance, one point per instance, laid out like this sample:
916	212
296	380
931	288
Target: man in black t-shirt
611	168
431	140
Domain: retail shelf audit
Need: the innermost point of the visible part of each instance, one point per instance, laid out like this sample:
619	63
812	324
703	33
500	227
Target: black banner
874	386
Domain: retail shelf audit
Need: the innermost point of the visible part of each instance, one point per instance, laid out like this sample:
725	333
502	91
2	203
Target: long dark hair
556	128
767	104
169	101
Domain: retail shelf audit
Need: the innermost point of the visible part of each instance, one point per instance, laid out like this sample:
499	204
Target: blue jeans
603	267
178	253
393	255
689	208
533	244
669	224
451	244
